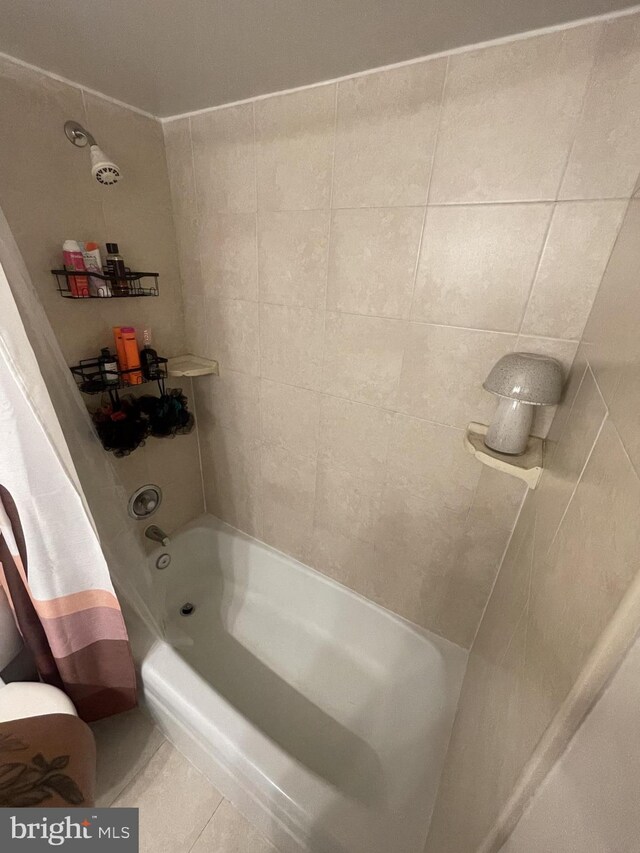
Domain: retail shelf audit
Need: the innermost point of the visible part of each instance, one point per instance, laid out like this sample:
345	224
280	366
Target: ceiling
173	56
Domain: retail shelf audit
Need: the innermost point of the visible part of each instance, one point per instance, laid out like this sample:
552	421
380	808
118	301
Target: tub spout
156	534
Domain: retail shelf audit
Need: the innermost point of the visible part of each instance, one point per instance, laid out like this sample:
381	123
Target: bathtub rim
423	633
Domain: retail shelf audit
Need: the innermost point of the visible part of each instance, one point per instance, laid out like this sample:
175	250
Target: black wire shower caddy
112	285
93	378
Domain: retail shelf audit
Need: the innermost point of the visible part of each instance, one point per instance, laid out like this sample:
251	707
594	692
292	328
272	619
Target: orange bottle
122	357
132	355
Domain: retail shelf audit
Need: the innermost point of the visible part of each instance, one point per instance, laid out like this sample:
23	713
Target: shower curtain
78	639
54	570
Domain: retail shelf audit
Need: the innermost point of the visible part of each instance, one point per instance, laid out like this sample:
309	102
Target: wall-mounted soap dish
527	467
192	365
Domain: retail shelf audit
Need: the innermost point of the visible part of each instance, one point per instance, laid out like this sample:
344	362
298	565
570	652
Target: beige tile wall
357	256
48	195
573	555
589	800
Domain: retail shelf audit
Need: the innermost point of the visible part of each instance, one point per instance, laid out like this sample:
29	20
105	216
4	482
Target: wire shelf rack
105	286
92	378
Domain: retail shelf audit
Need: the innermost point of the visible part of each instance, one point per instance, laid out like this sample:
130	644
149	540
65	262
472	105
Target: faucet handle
145	501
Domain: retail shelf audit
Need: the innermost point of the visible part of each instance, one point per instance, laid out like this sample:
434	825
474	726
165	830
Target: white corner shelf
527	467
192	365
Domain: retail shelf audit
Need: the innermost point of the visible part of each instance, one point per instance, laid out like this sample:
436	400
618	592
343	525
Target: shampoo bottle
132	355
73	260
117	271
148	357
93	264
120	353
108	367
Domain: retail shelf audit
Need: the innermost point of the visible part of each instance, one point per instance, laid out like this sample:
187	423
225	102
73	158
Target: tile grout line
322	393
325	312
73	84
473	498
445	75
260	512
612	419
573	402
584	467
325	309
143	768
515	202
175	234
566	423
624	449
538	265
534	534
499	569
583	105
405	320
522	615
208	821
204	307
416	269
565	168
597	291
518	202
595	382
436	141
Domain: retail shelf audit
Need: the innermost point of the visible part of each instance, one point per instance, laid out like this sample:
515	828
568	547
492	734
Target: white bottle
93	263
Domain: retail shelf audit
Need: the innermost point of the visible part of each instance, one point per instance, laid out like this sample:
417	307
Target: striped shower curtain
78	641
52	567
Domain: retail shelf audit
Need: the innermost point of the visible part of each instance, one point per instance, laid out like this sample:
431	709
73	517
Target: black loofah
121	430
124	426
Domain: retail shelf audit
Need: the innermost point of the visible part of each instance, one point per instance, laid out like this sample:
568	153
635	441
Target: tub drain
187	609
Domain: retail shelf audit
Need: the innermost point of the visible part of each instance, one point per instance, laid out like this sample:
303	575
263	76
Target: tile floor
180	811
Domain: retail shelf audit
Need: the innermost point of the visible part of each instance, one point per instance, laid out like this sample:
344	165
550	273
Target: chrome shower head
103	170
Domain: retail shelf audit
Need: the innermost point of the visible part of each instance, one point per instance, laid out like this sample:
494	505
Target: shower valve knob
144	501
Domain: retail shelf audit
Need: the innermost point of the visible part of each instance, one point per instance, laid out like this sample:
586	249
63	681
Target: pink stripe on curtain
77	601
67	634
65	604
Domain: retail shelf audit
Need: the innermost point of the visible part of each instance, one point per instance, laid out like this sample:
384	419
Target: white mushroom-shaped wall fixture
522	380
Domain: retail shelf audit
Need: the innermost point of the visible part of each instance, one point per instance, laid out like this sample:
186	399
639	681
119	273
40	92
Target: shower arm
78	135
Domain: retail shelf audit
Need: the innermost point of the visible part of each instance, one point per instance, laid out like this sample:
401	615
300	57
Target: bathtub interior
348	707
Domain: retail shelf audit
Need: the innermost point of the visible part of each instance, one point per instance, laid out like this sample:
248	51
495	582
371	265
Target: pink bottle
74	260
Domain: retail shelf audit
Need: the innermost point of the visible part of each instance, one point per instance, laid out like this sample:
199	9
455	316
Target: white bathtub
322	716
